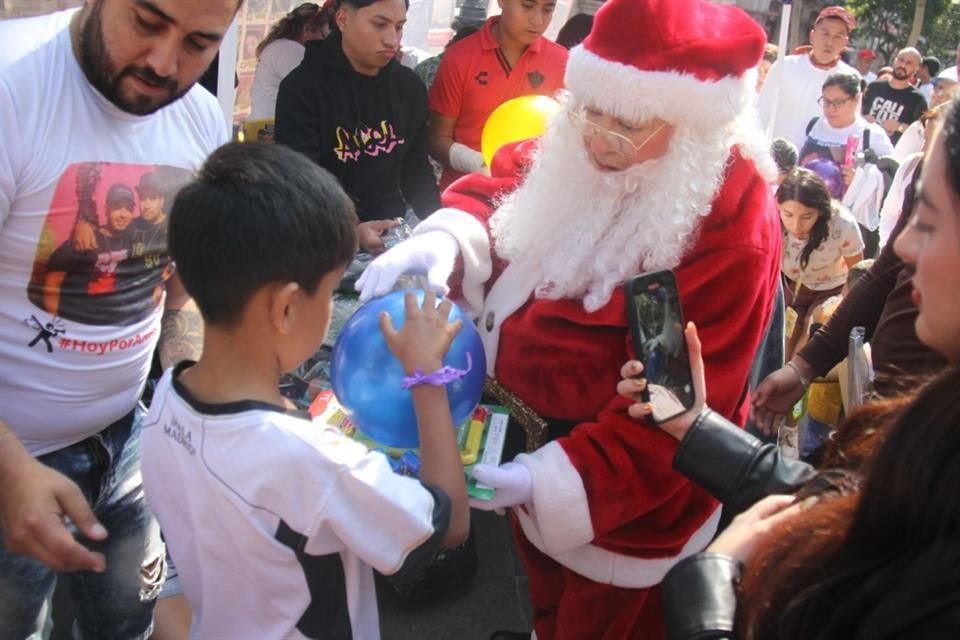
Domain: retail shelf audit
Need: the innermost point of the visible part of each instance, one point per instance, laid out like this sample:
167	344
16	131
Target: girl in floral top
821	240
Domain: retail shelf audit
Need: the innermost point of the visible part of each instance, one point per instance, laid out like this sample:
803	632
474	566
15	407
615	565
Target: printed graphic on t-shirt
365	140
883	109
102	256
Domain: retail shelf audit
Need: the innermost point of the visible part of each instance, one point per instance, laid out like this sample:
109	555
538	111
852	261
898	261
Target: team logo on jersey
482	78
176	432
366	141
535	78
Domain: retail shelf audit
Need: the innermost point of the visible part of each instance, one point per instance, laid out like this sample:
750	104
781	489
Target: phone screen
656	321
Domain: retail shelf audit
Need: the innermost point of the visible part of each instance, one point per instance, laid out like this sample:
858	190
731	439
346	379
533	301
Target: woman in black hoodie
357	112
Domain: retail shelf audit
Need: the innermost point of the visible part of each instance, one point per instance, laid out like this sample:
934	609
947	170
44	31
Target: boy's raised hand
420	344
425	336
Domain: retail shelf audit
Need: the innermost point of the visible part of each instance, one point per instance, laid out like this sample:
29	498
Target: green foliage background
885	25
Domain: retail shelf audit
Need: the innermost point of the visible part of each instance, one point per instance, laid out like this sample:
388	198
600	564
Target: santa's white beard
585	231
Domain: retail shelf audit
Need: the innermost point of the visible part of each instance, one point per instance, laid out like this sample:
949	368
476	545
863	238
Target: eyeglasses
618	143
833	104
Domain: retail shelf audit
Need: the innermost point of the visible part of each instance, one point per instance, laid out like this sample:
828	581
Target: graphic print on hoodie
368	131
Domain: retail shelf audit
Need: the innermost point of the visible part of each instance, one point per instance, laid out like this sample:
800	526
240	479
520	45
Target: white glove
465	159
432	253
512	482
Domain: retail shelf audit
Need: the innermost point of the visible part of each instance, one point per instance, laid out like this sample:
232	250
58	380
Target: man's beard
900	74
103	75
586	231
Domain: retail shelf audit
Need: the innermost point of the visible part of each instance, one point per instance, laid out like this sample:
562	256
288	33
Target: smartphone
656	327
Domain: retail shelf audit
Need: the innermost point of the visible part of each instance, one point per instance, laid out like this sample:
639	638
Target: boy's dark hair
847	81
360	4
575	30
255	214
785	154
932	64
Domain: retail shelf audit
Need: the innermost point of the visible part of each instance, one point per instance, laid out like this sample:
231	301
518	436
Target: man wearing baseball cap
788	100
865	58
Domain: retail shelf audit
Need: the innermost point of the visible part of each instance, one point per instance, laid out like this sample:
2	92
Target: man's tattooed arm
181	329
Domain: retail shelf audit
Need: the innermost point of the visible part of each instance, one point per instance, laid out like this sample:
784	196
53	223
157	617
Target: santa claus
654	162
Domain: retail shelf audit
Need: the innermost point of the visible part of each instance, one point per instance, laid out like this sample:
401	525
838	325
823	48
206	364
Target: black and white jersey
274	522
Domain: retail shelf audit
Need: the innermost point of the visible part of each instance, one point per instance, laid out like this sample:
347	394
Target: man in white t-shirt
106	99
789	97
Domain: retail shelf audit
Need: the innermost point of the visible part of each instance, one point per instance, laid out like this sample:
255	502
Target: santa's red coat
609	516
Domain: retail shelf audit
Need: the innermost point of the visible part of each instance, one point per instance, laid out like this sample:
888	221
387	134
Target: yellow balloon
514	120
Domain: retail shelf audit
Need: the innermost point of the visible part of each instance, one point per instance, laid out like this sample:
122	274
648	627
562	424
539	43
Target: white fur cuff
560	511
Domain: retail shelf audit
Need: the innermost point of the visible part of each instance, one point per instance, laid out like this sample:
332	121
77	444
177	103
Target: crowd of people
138	241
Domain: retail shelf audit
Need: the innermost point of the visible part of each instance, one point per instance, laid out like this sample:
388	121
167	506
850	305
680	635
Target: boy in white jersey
274	521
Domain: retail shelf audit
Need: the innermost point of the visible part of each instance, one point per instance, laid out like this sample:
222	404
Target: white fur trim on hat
638	95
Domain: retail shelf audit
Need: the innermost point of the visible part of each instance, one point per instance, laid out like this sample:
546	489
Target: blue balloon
366	376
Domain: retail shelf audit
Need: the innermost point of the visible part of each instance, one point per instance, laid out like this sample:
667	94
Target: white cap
950	73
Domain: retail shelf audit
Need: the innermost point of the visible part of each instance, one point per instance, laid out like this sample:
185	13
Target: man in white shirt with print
107	99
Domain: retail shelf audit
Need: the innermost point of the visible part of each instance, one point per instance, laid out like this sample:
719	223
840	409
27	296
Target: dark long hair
951	141
824	573
809	189
309	16
809	577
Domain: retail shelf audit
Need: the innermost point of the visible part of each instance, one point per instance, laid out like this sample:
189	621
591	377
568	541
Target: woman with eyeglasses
282	51
842	136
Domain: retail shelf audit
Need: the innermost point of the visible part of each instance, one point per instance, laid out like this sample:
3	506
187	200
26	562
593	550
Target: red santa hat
683	61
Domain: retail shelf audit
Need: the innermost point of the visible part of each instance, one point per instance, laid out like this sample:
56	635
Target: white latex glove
432	253
512	481
465	159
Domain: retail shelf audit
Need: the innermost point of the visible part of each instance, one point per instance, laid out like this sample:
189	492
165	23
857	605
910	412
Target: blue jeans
119	602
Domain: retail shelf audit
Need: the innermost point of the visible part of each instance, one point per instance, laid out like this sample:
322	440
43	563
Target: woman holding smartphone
873	552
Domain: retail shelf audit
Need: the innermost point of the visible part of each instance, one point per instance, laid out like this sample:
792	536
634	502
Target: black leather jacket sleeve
733	466
699	597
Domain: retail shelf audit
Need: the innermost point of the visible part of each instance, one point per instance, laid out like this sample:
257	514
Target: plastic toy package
480	439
